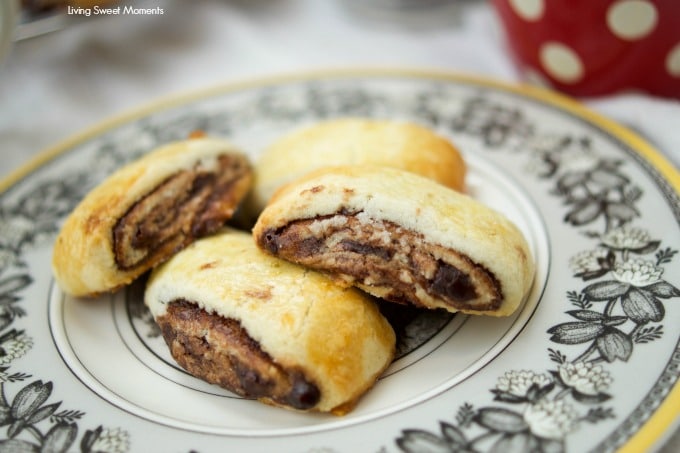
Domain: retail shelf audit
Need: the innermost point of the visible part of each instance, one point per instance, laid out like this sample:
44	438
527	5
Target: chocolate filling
187	205
452	283
378	253
220	351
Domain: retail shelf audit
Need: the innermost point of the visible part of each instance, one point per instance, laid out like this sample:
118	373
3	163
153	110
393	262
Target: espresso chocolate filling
379	253
220	351
187	205
451	282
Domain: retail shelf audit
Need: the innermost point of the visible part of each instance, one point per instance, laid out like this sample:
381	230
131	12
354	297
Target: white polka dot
632	19
673	61
561	62
528	9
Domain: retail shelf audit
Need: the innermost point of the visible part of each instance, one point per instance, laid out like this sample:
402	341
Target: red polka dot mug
596	47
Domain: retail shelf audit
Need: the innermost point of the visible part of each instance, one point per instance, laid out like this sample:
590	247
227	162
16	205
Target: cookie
267	329
147	211
402	237
356	141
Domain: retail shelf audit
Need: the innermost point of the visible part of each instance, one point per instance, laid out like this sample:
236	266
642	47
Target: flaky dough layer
402	237
334	336
146	211
356	141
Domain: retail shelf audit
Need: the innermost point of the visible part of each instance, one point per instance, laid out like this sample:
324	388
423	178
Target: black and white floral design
620	308
617	305
29	422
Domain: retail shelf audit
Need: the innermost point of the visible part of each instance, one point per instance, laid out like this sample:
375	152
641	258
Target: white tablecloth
57	84
53	86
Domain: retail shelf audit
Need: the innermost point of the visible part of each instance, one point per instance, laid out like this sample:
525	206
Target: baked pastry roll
401	237
146	211
267	329
355	141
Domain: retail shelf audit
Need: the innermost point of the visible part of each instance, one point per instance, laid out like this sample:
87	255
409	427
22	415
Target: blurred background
62	70
55	84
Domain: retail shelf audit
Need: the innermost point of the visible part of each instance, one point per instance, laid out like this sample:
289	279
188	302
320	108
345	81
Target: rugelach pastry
267	329
401	237
356	141
147	211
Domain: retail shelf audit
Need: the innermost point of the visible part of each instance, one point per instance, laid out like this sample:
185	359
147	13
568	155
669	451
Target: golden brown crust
356	141
147	211
402	237
330	337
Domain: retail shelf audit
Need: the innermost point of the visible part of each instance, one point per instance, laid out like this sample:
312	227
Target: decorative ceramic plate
589	362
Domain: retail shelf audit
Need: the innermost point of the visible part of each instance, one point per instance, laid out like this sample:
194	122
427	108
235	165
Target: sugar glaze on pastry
148	210
268	329
401	237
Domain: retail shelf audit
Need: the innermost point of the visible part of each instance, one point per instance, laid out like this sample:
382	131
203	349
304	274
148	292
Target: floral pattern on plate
622	307
615	306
